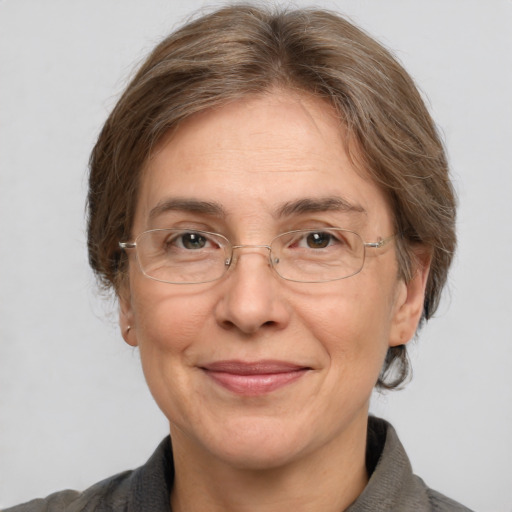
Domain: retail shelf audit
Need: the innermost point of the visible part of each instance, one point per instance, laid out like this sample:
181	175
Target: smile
255	378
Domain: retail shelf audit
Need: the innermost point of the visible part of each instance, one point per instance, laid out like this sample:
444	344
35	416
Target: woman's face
253	370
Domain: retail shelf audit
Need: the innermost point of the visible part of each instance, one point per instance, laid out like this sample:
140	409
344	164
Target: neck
329	479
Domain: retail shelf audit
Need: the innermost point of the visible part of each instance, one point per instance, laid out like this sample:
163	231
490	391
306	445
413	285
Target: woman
270	201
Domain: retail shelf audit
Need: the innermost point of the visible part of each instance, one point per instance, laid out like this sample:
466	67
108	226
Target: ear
409	300
127	317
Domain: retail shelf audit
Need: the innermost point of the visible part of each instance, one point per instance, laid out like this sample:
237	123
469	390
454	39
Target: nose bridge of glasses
232	259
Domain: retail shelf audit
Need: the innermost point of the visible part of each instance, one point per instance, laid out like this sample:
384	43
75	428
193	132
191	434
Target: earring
128	329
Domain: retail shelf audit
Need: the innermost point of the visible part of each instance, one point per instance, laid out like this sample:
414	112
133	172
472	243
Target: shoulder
109	494
145	489
441	503
392	485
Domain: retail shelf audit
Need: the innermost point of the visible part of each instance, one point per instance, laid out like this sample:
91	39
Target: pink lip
254	378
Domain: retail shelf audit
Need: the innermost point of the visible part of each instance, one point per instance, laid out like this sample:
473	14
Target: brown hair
245	50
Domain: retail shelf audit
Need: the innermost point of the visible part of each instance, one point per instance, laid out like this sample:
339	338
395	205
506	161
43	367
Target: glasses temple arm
380	243
127	245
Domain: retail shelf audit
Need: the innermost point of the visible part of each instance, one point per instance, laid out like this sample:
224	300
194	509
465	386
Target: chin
256	444
260	457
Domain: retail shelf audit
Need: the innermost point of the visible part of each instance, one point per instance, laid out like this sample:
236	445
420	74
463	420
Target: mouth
254	378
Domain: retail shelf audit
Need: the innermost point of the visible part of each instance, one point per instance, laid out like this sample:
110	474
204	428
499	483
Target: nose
252	296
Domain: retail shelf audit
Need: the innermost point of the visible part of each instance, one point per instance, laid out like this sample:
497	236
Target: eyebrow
297	207
187	205
322	204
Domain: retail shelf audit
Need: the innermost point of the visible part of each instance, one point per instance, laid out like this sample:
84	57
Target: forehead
258	155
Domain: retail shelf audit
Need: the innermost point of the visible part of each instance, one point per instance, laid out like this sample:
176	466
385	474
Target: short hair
245	50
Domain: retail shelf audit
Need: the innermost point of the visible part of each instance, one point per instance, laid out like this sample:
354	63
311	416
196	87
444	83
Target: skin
303	444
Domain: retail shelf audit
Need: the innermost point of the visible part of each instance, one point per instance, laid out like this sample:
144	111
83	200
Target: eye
317	240
193	241
190	240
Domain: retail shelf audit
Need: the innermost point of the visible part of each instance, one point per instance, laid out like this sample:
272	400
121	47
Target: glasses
185	256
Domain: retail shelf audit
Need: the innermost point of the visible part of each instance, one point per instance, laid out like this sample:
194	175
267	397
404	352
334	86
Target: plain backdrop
74	407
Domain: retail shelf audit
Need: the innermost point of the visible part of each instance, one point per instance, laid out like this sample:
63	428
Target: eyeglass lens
190	256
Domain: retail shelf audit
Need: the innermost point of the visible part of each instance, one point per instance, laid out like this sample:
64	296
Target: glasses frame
126	246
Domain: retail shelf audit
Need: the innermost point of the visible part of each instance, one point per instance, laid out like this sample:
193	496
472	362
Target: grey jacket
392	486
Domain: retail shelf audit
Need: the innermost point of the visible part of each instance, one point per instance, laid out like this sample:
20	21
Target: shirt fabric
392	486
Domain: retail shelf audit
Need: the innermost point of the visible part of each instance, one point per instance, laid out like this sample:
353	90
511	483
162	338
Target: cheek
168	320
352	322
168	327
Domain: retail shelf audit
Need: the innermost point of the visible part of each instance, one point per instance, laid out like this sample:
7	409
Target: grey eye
192	241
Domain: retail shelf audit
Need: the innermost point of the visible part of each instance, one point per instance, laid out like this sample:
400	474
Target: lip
254	378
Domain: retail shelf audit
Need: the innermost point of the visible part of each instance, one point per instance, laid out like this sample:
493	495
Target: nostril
248	330
228	325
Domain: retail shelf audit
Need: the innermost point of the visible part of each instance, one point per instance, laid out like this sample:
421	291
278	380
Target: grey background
73	404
